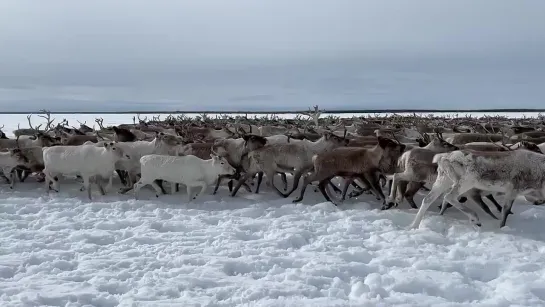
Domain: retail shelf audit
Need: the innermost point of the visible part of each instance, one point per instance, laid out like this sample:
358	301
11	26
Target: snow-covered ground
257	250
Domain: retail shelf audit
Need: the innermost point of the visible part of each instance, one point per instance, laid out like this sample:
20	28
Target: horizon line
355	111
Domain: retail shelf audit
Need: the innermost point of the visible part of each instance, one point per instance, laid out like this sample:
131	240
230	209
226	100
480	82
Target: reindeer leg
410	188
218	181
11	177
509	199
375	187
475	195
100	187
241	181
159	182
347	183
359	190
270	178
306	181
335	188
87	185
322	187
284	181
20	173
230	185
125	190
439	186
493	200
296	179
451	197
122	176
5	178
259	180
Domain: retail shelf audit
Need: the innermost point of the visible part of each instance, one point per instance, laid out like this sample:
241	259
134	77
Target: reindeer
511	172
296	158
365	164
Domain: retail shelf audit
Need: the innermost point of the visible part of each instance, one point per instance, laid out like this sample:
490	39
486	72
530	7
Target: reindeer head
116	150
391	151
46	140
390	145
439	144
335	140
253	142
167	139
221	166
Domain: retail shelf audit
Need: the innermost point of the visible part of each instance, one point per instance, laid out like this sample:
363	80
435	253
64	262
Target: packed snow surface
258	250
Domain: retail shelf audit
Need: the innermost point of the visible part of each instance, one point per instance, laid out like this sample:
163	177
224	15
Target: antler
100	121
84	123
394	136
2	127
141	120
37	128
502	138
64	122
47	117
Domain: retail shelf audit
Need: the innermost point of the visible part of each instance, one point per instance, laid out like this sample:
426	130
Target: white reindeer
189	170
84	160
511	172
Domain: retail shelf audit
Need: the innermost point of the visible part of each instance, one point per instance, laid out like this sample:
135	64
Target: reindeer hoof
478	224
157	195
387	206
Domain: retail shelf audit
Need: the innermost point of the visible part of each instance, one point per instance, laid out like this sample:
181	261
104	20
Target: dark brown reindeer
351	162
123	134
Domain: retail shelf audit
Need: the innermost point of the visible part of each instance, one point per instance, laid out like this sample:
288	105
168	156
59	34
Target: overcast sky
90	35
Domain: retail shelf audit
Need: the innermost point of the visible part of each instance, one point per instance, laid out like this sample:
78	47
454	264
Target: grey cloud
246	52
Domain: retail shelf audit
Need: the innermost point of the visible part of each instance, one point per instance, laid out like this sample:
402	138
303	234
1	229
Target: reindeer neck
376	154
317	146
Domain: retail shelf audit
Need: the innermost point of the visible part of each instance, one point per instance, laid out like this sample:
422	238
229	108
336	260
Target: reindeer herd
457	158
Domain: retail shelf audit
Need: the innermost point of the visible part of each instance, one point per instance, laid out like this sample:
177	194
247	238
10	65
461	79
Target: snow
258	250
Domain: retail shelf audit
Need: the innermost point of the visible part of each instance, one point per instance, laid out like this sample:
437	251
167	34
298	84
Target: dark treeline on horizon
356	111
